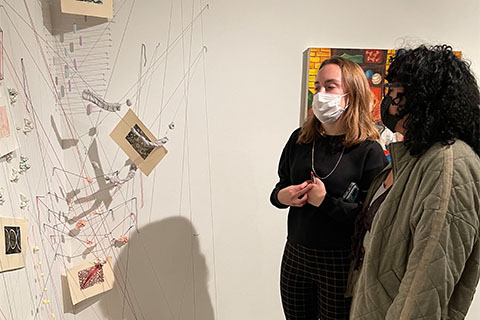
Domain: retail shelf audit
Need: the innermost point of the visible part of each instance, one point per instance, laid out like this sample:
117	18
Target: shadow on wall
160	274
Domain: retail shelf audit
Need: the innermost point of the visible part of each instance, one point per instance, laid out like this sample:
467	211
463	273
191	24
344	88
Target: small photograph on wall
13	239
93	8
145	157
137	143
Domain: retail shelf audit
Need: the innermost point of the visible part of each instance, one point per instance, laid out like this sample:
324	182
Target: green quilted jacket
423	258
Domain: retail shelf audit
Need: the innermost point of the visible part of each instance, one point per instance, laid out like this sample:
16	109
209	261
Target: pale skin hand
295	195
317	193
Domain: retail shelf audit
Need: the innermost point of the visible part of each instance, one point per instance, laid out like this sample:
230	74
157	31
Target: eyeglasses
395	101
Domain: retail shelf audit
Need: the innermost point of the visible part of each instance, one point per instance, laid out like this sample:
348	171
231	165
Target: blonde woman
324	173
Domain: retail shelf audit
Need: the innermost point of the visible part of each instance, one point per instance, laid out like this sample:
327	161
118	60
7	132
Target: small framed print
90	279
145	157
13	239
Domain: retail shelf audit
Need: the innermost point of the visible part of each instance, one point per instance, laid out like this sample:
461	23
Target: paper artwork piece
93	8
145	157
90	279
13	237
1	54
13	240
4	123
8	142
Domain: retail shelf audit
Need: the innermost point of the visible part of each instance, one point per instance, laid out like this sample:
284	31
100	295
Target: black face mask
389	120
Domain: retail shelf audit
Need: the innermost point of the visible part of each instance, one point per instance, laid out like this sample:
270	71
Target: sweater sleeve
284	170
344	211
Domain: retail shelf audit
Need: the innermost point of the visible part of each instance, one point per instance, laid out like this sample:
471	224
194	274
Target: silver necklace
313	161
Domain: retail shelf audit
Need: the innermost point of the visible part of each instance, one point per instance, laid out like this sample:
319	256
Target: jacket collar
400	156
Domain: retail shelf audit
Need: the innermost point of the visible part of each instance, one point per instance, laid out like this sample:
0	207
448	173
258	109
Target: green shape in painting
310	99
356	58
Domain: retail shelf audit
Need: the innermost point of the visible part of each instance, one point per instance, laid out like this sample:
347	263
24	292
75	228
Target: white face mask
326	107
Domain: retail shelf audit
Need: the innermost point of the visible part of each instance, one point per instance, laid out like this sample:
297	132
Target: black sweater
331	224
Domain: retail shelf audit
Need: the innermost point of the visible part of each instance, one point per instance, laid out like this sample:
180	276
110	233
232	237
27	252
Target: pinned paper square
8	142
93	8
90	279
145	157
13	242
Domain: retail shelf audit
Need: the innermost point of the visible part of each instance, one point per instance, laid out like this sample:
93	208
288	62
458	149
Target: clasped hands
299	194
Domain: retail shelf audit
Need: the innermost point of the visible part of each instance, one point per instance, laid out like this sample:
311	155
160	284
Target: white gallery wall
205	242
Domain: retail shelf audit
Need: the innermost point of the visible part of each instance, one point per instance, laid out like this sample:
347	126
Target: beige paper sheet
79	294
8	141
9	227
93	8
119	135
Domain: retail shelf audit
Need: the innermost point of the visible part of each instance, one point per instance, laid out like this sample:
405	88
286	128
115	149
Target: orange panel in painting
377	99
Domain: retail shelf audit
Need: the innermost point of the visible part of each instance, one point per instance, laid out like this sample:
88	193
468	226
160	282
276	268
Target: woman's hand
317	193
295	195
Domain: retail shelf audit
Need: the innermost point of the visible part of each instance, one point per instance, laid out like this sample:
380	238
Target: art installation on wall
82	194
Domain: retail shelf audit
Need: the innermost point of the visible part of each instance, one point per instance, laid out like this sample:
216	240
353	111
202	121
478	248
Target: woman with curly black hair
416	243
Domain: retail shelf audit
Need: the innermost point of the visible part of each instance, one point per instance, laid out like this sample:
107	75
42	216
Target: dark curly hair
442	98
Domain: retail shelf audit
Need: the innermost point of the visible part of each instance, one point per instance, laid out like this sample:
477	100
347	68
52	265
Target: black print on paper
92	1
142	149
13	240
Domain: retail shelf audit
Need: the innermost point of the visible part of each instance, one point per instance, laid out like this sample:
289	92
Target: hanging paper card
1	54
8	142
144	156
13	243
93	8
90	279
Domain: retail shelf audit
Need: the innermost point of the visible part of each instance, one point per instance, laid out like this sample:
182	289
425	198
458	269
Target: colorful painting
374	62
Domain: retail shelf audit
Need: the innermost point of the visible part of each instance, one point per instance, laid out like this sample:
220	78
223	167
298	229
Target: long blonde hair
357	118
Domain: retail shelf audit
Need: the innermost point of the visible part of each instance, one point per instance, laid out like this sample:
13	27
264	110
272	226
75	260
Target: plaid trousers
313	283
